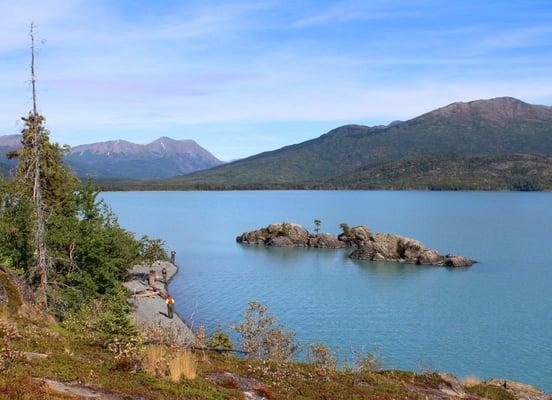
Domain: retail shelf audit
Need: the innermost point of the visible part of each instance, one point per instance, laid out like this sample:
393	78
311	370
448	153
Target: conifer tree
42	178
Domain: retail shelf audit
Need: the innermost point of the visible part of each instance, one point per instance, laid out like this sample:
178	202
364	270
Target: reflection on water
290	253
491	319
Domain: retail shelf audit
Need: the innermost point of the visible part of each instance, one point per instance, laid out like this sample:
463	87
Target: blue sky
241	77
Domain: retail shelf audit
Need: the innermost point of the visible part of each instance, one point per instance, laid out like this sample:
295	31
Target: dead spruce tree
44	182
33	141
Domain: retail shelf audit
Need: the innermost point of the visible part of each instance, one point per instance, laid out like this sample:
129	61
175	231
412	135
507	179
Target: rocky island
367	245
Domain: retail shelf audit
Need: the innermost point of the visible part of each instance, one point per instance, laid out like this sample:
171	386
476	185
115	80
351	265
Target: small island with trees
367	245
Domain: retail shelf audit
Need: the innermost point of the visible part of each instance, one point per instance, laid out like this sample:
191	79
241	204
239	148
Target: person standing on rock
173	257
164	273
170	306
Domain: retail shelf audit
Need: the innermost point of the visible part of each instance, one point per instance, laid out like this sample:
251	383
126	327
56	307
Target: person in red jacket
170	306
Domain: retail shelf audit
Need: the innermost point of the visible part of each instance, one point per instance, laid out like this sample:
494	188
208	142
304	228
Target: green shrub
320	355
263	338
491	392
220	340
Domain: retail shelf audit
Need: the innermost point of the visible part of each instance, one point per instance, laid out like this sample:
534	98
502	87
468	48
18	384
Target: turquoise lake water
490	320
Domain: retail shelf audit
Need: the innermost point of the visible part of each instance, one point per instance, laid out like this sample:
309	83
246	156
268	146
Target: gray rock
387	247
286	234
326	241
372	247
451	260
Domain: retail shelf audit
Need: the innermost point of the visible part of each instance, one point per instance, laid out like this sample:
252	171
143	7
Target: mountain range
123	160
496	144
441	143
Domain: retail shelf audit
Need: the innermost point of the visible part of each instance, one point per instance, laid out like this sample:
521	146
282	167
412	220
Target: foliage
321	355
103	321
262	337
493	172
175	364
317	224
345	228
157	333
367	362
220	340
152	250
506	172
8	356
16	250
491	392
91	253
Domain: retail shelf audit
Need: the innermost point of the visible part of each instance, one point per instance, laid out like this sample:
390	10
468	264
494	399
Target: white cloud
104	72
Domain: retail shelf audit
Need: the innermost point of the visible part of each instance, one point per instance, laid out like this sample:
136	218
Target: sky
242	77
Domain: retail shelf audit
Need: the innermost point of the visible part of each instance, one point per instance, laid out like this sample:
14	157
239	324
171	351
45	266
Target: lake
493	319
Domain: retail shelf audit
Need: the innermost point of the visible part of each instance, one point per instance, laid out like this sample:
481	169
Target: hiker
173	257
152	278
164	273
170	306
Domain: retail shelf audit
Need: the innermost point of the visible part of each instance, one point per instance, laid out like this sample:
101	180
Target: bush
104	321
320	355
8	356
152	250
491	392
175	364
155	333
220	340
263	338
367	362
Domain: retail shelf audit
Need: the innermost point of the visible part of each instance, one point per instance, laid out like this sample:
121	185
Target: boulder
430	257
355	235
451	260
372	247
286	234
326	241
388	247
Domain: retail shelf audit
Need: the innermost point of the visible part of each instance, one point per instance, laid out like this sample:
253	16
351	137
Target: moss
73	360
14	298
491	392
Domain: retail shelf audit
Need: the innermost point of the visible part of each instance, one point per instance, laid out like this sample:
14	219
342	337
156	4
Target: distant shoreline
168	187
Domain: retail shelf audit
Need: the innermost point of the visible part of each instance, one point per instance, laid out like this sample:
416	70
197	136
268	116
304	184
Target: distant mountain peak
498	109
121	159
499	126
10	141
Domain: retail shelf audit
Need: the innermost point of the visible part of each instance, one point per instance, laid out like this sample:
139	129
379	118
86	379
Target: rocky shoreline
148	296
367	245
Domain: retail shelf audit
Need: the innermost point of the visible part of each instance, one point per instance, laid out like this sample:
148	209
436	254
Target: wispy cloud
262	73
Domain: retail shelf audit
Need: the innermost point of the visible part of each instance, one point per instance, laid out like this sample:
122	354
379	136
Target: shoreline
149	301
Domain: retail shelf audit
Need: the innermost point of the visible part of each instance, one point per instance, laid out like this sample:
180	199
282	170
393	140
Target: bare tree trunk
42	258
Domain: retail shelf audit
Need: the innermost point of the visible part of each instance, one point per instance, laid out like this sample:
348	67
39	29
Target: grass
14	299
182	365
164	362
491	392
4	314
471	380
166	372
163	371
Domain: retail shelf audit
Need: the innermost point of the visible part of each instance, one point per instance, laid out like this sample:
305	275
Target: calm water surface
493	319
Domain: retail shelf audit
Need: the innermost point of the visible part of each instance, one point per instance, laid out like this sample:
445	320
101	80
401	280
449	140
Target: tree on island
317	224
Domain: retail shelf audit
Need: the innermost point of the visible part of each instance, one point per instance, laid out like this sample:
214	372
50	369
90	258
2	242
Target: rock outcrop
368	246
387	247
289	234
